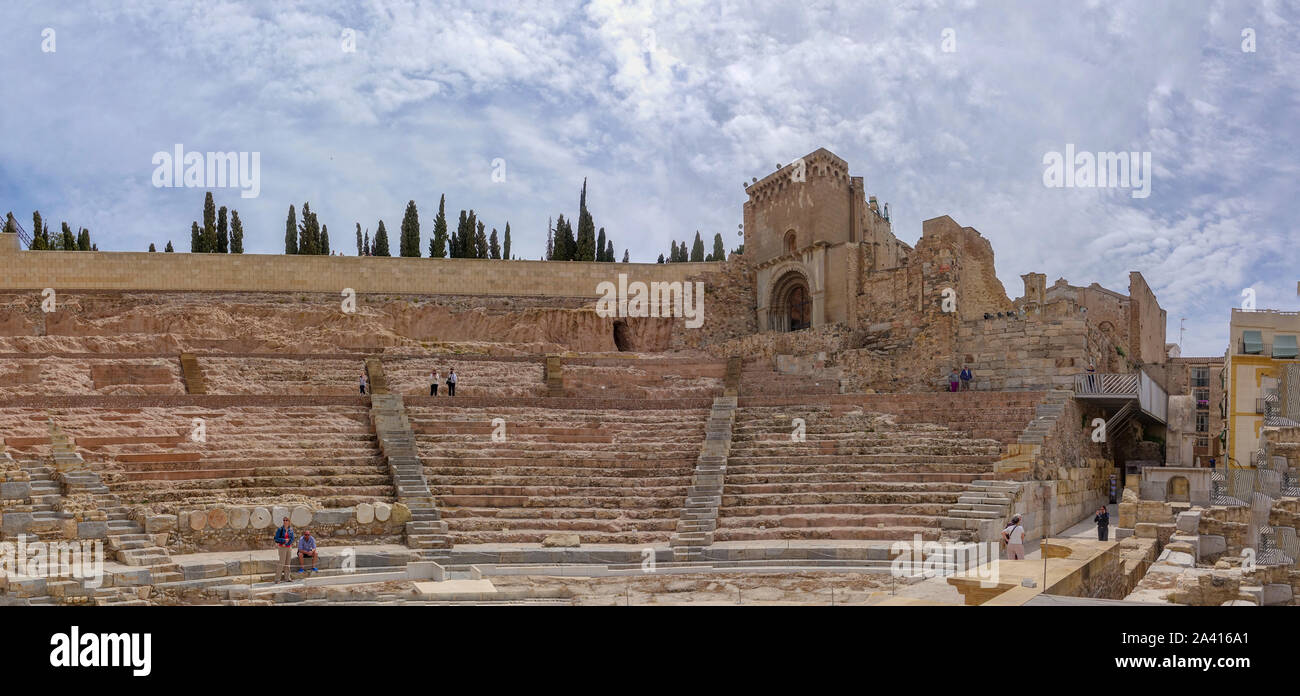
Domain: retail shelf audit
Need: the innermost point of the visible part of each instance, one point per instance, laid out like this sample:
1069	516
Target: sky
667	108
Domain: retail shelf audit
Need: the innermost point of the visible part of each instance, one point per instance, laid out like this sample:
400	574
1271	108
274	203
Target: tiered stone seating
855	475
251	454
475	377
610	476
1001	416
759	379
55	375
624	378
281	376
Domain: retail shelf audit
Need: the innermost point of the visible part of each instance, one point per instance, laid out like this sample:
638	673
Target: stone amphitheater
169	409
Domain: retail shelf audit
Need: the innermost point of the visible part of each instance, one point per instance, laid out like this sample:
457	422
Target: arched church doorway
792	304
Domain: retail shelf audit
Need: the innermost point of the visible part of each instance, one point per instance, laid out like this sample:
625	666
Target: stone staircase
46	509
981	512
378	384
554	376
699	515
127	540
731	379
193	374
1045	415
425	532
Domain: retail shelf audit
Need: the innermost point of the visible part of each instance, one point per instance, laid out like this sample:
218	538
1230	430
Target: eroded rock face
115	322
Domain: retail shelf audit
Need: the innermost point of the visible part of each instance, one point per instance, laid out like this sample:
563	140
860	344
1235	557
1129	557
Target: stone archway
791	307
622	336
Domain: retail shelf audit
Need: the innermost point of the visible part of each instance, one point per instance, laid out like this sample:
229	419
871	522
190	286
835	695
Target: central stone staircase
193	374
700	513
426	532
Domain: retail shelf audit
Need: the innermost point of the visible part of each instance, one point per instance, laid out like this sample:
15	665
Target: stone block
154	524
16	523
365	513
278	513
239	518
333	517
92	530
1275	594
1212	545
300	516
1189	522
15	490
1152	530
562	540
1127	514
425	570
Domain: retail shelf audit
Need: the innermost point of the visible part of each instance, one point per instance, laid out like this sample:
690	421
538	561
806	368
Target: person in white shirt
1014	537
433	383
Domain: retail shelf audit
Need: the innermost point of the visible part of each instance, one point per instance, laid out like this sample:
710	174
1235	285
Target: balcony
1112	389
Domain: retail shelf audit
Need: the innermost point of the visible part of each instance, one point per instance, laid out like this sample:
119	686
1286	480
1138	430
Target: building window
789	242
1284	347
1202	422
1200	376
1252	342
1202	398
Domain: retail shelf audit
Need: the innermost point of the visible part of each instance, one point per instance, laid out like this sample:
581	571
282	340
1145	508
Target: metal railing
1106	383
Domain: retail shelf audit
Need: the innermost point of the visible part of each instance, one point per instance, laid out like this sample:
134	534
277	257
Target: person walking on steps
451	382
953	380
363	383
284	542
433	383
966	377
1102	518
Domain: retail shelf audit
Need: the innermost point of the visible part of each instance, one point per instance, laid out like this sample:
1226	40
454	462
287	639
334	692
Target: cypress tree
585	249
550	239
672	255
365	247
291	233
83	240
470	240
609	251
151	247
236	233
455	244
381	241
600	246
39	239
719	251
169	248
697	249
570	244
438	245
626	257
360	249
196	238
480	242
325	240
494	247
505	247
223	236
307	234
68	242
45	233
410	239
209	223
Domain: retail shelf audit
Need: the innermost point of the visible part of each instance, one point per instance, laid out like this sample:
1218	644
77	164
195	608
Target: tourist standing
451	382
363	383
433	383
284	540
1102	518
1092	378
1014	537
966	377
953	380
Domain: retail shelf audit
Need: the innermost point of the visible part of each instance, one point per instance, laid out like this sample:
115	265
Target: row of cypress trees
64	240
678	253
215	237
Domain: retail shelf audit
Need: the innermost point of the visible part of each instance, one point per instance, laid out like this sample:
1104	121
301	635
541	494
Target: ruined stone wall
1146	332
1032	353
124	270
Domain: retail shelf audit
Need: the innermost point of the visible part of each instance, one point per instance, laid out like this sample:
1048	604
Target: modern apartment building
1261	379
